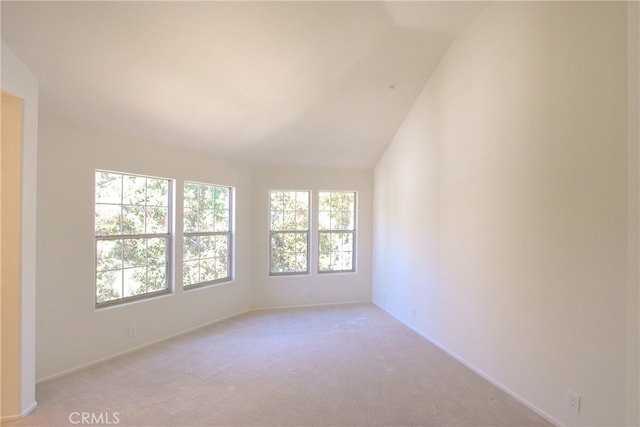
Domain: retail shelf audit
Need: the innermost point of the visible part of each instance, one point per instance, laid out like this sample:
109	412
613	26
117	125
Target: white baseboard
478	371
10	418
320	304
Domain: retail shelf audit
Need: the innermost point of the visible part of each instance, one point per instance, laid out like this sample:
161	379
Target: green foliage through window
289	232
336	231
207	234
132	217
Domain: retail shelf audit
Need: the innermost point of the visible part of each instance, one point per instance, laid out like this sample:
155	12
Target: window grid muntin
305	206
166	236
198	234
336	231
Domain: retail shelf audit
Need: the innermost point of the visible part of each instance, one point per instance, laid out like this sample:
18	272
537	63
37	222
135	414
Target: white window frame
228	233
306	232
167	236
330	231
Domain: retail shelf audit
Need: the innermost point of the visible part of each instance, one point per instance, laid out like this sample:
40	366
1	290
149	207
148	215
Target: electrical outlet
413	312
132	330
308	294
573	401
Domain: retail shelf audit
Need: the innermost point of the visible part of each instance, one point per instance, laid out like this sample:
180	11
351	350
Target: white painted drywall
314	288
19	81
71	332
10	253
633	255
500	207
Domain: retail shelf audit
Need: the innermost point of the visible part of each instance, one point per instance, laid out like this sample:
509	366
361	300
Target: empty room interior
320	213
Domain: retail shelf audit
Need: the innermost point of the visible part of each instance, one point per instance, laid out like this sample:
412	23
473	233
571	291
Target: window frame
306	232
352	231
168	238
229	233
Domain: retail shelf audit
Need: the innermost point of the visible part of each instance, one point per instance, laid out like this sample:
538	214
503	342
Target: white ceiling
297	83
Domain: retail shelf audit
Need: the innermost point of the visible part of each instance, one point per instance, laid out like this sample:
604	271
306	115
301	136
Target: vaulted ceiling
297	83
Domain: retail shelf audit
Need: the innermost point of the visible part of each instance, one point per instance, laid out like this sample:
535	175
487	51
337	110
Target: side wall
10	255
20	82
501	206
633	256
277	291
71	333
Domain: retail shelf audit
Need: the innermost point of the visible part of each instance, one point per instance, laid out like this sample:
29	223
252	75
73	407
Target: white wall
314	288
71	333
500	207
633	255
20	82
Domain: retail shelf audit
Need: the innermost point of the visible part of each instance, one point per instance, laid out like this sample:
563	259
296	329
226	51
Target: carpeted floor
345	365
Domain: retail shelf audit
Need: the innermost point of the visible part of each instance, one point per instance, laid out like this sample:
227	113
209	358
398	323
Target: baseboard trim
477	370
321	304
12	418
139	347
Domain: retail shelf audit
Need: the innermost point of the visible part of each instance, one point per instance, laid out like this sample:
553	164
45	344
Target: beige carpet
346	365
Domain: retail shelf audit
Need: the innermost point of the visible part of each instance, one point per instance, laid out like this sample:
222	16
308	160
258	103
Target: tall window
336	231
207	234
132	217
289	232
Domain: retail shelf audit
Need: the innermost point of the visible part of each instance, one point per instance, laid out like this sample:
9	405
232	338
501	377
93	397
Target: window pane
221	220
324	220
135	281
190	273
221	195
134	189
191	248
290	220
133	220
108	220
156	278
347	261
206	197
289	252
135	252
190	195
208	246
108	285
222	245
157	251
206	220
157	220
157	192
289	210
222	267
190	220
131	205
277	220
207	270
108	187
336	251
336	210
108	255
206	255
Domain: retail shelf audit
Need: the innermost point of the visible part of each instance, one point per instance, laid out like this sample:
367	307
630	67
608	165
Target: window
207	234
132	217
289	232
336	231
